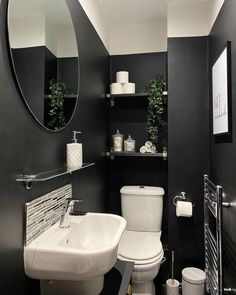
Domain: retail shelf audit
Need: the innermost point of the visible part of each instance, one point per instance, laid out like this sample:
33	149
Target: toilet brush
172	284
172	266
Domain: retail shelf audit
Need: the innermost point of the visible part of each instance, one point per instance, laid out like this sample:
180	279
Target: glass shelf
47	175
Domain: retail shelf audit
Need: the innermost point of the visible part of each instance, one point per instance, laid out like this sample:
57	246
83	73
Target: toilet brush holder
172	287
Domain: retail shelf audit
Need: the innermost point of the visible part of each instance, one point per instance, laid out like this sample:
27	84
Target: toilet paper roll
128	87
116	88
184	209
148	144
122	77
143	149
172	287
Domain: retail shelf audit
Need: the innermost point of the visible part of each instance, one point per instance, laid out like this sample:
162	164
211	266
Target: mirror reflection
45	58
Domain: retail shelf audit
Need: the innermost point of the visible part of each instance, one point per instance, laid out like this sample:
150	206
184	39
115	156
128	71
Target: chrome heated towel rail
213	236
213	204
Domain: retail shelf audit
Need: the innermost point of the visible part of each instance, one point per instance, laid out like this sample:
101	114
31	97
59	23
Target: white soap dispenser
74	153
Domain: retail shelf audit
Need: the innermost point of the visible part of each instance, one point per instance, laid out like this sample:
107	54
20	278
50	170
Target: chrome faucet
68	208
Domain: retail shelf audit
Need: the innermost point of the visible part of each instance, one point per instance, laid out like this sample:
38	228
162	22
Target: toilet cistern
68	208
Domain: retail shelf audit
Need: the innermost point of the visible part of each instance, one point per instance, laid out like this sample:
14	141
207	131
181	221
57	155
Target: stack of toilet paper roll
122	85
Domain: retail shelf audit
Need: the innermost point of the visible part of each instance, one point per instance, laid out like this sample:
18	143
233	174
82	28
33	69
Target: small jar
129	144
164	153
117	141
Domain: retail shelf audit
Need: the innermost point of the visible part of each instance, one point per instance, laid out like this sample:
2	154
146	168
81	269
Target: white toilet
142	207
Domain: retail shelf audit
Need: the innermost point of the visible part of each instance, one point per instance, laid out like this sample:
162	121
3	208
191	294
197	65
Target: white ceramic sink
87	249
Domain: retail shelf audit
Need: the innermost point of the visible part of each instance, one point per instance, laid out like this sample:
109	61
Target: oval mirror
45	58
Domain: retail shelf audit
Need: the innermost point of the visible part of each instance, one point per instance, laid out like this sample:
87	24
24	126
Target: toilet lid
140	245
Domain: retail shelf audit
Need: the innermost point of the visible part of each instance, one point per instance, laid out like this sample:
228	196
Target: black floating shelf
141	94
112	155
113	97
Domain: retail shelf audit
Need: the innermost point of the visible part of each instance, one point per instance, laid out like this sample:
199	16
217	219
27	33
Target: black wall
131	117
223	149
141	67
188	144
27	148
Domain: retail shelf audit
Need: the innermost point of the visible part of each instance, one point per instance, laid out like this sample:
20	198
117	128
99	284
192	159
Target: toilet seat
144	263
143	248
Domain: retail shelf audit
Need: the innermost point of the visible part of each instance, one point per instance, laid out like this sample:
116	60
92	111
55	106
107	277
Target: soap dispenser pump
74	153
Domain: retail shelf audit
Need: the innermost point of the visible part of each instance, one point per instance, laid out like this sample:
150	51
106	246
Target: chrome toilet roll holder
181	196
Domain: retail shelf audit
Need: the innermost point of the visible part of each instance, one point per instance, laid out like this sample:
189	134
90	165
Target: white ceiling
139	26
127	12
123	12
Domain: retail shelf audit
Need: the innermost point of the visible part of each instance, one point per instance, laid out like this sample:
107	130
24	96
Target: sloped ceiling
122	22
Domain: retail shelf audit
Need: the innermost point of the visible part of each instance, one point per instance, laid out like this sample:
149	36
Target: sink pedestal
93	286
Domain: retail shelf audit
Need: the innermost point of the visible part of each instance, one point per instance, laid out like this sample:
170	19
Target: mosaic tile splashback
43	212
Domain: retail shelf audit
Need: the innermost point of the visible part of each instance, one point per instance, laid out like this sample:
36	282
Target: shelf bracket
112	102
110	154
27	184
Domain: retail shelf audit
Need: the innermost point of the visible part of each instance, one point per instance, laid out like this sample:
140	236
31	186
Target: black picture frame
221	93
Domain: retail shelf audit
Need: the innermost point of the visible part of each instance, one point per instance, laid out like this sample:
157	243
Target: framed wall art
221	85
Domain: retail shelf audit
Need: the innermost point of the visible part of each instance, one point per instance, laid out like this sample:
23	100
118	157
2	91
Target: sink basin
87	249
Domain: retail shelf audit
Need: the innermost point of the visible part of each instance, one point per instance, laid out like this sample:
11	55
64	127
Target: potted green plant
157	107
58	91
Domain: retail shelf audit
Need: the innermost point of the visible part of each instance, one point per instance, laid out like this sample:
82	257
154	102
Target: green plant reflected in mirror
45	59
